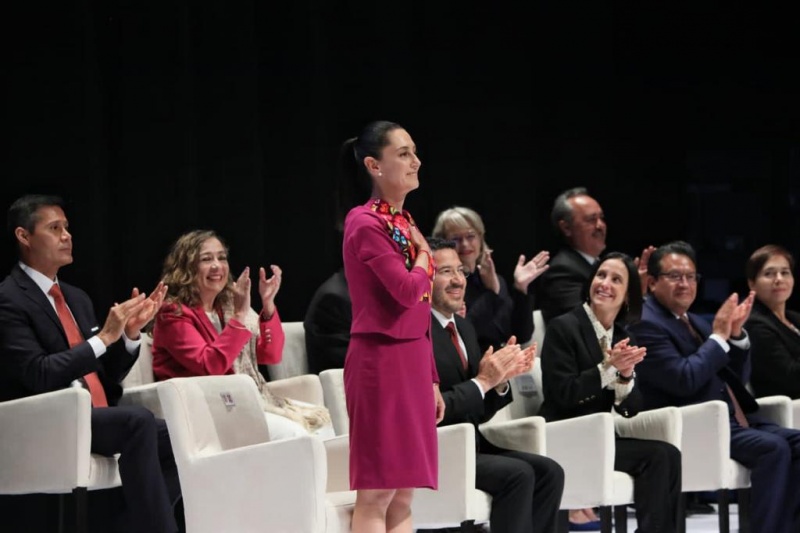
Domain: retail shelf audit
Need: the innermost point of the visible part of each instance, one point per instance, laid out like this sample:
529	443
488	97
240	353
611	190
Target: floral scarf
398	225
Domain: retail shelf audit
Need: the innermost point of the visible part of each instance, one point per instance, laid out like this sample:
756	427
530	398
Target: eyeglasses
676	277
469	237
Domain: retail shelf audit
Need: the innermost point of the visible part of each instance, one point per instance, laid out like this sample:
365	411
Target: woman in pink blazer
207	327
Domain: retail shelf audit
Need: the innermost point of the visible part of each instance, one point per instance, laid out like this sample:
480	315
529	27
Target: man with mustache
579	219
526	489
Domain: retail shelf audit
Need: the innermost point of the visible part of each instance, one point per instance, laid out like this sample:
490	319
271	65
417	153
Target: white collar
42	281
443	320
589	259
599	330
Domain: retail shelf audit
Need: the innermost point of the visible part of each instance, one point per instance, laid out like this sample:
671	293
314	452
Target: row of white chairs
235	479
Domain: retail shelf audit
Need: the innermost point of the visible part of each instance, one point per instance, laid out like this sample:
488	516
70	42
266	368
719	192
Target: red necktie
738	413
74	337
451	328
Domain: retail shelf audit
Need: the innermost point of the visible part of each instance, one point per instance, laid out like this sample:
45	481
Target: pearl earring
380	174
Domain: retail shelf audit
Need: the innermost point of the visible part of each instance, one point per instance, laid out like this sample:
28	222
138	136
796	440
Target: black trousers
146	465
526	489
656	470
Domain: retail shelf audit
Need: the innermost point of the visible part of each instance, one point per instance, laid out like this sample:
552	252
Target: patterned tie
738	413
74	337
451	327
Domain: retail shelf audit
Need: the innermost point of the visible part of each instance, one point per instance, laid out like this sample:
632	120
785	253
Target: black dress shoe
696	507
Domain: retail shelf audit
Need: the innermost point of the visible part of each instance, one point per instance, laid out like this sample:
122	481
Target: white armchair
45	446
795	414
706	446
457	501
295	359
220	439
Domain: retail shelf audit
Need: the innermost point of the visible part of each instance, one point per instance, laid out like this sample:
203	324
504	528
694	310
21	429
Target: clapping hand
624	357
241	295
143	314
525	273
268	289
488	272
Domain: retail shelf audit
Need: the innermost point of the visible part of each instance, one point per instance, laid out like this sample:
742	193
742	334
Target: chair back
538	328
210	414
295	360
142	371
333	391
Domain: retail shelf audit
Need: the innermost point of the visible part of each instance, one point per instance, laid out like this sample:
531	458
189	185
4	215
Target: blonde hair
180	271
460	218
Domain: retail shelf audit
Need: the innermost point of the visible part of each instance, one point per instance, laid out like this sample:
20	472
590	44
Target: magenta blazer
187	344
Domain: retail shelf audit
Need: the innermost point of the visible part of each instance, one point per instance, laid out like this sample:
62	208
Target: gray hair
562	209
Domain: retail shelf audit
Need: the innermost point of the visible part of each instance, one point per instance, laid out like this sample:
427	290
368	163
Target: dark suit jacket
775	353
559	289
678	372
35	356
570	378
327	324
462	399
496	317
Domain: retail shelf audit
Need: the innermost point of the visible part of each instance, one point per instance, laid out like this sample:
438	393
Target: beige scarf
312	417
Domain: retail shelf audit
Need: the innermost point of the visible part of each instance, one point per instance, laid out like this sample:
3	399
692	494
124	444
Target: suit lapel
470	338
32	291
588	336
201	317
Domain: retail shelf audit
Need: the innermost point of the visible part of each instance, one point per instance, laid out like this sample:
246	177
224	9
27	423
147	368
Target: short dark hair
632	312
562	209
437	243
674	247
22	213
760	258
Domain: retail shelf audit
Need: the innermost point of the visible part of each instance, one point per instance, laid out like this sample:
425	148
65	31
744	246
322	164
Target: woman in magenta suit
391	384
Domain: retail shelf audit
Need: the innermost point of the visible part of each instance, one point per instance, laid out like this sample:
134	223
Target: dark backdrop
155	117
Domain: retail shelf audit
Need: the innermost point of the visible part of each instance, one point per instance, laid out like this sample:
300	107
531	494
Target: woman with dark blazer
774	331
588	362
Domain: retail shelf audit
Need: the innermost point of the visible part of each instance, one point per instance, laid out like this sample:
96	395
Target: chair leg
743	497
621	519
81	513
724	519
468	526
61	498
563	521
680	520
605	519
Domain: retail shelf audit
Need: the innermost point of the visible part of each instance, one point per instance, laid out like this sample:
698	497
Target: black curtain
153	118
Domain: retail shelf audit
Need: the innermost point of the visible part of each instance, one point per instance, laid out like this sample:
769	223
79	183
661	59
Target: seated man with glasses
690	361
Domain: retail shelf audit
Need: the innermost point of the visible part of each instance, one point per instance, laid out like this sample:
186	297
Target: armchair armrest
523	435
305	388
705	446
777	409
456	480
338	453
144	395
45	442
665	424
585	448
288	496
795	414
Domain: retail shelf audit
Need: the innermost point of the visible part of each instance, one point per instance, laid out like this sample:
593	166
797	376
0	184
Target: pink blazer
187	344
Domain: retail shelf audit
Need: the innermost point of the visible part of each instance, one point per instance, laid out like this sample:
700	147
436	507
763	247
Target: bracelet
430	257
624	379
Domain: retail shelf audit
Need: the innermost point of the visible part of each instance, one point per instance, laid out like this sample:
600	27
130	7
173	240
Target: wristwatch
623	379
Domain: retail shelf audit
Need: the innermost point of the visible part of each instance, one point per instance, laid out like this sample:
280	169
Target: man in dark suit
50	339
526	489
689	361
579	219
327	324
